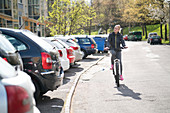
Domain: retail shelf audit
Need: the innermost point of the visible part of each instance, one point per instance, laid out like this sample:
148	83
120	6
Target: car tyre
84	54
37	93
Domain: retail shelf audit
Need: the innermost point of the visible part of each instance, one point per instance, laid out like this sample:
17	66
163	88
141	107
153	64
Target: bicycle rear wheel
117	75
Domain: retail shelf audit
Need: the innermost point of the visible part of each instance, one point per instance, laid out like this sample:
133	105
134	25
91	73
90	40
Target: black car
9	53
88	45
150	35
40	61
155	40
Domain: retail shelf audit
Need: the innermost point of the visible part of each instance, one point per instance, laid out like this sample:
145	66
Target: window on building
9	24
20	21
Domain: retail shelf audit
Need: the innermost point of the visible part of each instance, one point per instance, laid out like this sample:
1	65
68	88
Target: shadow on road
71	72
89	59
48	105
125	91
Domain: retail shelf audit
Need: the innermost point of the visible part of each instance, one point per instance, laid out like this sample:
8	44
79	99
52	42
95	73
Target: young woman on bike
115	39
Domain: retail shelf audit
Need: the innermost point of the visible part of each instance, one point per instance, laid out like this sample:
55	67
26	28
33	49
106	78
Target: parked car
40	61
70	51
155	40
77	52
9	53
125	37
62	53
88	45
150	35
100	41
16	90
135	35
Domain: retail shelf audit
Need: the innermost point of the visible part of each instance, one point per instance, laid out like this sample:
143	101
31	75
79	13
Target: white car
77	51
16	90
62	52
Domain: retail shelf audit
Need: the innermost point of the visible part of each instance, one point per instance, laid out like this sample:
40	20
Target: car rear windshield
84	41
6	45
137	33
57	44
71	42
38	40
63	43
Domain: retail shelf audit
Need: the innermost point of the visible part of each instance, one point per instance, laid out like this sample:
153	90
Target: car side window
16	43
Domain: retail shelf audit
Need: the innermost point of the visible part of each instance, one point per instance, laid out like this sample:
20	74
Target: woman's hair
118	26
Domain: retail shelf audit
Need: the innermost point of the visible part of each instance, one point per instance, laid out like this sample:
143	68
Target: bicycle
117	70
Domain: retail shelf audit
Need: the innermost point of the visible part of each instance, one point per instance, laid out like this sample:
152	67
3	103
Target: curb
67	103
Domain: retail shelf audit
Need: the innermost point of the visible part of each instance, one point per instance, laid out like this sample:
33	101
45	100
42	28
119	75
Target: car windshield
4	69
84	41
38	40
6	45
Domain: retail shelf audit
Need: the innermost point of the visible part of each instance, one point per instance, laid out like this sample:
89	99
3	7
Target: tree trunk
90	27
129	26
161	31
143	30
166	38
146	34
106	31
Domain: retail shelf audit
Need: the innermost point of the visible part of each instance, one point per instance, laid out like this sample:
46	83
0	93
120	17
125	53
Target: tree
159	10
68	17
104	13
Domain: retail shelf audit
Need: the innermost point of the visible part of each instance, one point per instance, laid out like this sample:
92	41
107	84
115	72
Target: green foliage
150	28
66	17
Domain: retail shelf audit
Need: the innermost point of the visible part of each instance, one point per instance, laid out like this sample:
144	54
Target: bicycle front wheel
117	75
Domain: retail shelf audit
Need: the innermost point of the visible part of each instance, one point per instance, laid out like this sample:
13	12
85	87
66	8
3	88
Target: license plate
155	39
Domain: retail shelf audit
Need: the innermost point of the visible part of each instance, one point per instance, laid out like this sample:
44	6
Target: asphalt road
146	88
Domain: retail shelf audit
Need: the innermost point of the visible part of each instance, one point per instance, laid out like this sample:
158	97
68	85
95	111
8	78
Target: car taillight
151	39
5	59
46	61
18	99
70	51
60	53
92	46
75	48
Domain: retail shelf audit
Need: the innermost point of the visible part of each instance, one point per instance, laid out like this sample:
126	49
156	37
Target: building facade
23	14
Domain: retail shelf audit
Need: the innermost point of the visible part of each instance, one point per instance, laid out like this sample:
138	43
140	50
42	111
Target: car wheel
84	54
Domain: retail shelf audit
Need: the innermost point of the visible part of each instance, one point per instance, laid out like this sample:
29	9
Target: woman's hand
106	48
125	47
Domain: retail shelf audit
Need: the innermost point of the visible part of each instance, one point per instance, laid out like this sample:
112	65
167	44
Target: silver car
16	90
62	52
77	51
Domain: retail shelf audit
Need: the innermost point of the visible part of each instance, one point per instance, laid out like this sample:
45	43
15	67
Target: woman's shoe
111	68
121	77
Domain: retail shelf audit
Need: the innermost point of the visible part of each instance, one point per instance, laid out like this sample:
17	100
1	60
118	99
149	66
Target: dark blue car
88	45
